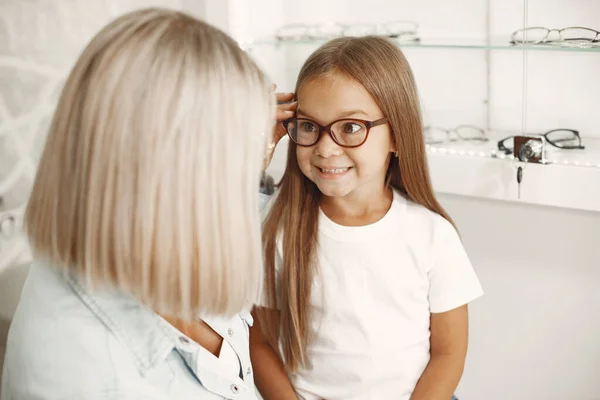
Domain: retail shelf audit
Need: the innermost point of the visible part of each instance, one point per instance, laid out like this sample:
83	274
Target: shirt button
248	371
230	332
235	388
184	340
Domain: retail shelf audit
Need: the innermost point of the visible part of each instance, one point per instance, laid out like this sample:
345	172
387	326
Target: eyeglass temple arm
502	147
378	122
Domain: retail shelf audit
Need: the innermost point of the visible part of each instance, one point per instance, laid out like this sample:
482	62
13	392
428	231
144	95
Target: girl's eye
308	127
351	127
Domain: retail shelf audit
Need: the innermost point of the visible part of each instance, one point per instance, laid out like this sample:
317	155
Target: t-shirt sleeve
452	280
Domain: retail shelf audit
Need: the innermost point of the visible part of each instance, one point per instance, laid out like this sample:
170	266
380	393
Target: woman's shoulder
51	345
57	345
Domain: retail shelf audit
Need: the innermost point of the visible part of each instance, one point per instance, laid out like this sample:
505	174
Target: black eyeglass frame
327	128
502	147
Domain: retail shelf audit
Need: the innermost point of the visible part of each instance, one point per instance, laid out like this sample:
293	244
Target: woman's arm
270	375
449	338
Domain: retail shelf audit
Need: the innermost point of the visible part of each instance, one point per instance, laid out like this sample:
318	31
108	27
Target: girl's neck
355	210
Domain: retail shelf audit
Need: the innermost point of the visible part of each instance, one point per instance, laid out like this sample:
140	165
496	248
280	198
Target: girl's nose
327	147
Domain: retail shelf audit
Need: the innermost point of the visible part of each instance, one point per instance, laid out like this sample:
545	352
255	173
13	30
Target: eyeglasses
567	139
574	36
405	30
295	32
345	132
435	134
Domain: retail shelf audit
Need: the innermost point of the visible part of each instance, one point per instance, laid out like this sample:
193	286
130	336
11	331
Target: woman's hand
285	109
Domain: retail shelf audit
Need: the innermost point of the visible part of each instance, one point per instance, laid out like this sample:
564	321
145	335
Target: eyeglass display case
507	68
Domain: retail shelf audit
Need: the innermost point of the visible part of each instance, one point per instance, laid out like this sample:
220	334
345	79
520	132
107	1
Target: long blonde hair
381	68
149	176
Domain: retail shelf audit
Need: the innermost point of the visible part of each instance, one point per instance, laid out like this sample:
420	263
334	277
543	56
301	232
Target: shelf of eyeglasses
433	43
588	157
570	179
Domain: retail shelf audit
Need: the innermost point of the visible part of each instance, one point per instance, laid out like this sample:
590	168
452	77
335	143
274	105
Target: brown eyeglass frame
327	128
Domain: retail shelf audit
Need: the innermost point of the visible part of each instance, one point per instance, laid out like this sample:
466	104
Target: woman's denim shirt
66	342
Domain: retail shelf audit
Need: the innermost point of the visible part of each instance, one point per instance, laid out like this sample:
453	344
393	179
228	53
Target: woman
144	221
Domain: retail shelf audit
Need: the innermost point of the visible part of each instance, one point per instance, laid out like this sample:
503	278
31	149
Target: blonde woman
144	221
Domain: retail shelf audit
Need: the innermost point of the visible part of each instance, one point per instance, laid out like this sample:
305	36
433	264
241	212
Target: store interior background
534	335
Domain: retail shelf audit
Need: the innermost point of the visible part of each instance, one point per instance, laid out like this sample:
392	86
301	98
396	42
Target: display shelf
571	179
432	43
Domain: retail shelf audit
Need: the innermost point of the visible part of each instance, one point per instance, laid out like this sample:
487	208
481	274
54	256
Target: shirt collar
138	328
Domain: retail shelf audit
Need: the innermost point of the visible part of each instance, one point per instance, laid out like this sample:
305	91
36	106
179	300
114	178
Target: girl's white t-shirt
372	299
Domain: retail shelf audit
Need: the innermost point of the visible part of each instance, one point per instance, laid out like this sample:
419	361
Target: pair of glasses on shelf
567	139
403	30
571	36
436	135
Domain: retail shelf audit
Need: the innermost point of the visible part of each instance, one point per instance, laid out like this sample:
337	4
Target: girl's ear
393	146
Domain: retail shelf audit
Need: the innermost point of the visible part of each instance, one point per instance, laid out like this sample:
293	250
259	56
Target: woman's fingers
285	112
284	97
285	106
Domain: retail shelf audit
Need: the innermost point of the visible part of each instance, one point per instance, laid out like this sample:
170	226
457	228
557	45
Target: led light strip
499	155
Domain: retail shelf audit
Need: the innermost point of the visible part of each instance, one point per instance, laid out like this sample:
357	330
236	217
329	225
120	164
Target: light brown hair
148	180
381	68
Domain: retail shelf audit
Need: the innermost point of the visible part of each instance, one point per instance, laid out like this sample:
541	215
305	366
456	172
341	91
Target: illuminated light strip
481	154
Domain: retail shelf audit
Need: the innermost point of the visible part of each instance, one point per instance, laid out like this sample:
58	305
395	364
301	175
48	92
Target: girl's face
339	171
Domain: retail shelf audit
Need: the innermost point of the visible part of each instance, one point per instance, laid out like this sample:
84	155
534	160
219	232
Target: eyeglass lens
346	132
467	132
563	139
435	135
462	132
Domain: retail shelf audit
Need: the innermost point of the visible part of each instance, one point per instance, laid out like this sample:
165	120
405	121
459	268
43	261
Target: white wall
534	335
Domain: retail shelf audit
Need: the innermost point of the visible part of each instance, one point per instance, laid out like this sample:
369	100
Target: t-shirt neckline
355	233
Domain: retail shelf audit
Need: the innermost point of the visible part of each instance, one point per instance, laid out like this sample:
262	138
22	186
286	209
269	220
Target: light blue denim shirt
67	343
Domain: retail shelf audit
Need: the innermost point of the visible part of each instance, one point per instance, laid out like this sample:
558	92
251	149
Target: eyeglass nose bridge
327	129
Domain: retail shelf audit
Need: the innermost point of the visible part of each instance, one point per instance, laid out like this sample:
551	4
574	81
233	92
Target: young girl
367	282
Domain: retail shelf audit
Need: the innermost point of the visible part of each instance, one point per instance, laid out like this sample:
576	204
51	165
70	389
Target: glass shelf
432	43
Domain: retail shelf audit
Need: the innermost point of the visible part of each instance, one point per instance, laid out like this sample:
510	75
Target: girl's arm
449	338
270	375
